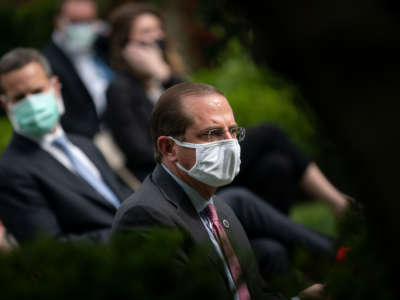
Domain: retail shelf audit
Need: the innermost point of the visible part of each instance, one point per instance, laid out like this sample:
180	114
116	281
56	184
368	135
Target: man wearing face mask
81	65
50	183
196	140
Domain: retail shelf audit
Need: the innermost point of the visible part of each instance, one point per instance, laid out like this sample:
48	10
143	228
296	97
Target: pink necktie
229	254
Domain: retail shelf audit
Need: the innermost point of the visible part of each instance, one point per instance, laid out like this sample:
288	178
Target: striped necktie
229	254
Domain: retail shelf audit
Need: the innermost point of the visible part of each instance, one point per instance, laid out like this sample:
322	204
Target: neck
55	128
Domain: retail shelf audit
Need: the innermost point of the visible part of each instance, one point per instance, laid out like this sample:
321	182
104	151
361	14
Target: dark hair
169	117
121	20
19	57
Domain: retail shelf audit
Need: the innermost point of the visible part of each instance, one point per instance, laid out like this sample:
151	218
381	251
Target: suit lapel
106	172
190	219
173	193
224	219
69	68
235	233
50	168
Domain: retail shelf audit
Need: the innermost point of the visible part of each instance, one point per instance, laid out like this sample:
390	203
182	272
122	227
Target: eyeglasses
218	134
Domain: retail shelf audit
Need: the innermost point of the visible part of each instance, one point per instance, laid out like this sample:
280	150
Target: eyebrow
23	95
217	127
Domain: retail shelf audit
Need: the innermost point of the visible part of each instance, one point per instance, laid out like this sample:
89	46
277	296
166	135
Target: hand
2	232
314	292
147	60
7	242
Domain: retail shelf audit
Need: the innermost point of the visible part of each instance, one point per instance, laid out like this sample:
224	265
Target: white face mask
79	38
217	163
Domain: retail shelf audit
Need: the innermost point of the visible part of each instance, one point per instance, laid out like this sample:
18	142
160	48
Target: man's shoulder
19	148
18	161
146	207
57	58
80	139
147	195
158	192
84	143
51	50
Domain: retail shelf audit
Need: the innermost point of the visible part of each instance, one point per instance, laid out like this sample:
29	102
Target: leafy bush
362	273
317	216
257	95
26	24
30	23
5	132
128	268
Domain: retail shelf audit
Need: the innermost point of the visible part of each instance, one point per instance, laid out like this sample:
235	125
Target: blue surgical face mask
36	115
79	37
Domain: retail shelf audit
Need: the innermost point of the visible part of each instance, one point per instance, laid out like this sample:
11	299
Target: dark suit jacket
80	115
39	195
127	115
160	201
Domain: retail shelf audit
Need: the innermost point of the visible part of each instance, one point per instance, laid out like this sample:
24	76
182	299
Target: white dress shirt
92	76
46	143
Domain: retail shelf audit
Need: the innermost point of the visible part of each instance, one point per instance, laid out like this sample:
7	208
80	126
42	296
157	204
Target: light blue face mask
36	115
79	38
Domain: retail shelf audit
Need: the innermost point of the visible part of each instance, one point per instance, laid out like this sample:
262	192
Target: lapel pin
226	224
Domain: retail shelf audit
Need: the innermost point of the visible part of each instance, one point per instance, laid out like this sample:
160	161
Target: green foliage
315	215
128	268
307	268
26	24
30	23
257	95
363	274
5	132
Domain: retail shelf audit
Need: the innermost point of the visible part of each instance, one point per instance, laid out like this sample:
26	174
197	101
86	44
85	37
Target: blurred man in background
77	57
50	182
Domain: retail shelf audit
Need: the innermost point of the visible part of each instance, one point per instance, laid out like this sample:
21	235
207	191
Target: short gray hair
19	57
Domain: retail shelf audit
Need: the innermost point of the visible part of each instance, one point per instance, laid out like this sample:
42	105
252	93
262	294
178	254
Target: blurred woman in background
145	63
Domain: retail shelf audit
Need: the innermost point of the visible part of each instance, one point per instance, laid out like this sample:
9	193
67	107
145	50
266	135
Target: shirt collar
45	139
198	201
57	38
48	138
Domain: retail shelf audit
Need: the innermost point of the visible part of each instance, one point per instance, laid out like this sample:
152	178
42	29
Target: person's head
75	11
29	92
200	116
143	24
76	24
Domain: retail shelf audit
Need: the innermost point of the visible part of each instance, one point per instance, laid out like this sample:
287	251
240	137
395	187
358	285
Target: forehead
79	10
25	79
209	110
145	21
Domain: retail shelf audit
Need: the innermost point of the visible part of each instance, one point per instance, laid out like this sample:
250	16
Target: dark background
342	55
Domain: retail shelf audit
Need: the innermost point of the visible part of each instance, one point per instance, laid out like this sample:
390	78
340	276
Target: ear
56	85
3	102
167	148
59	22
